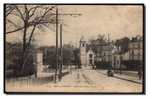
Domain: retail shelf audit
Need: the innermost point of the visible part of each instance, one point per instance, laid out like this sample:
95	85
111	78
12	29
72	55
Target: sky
117	21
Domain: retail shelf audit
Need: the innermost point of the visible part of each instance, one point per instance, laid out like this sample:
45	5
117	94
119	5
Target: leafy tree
94	43
50	55
77	61
123	43
68	55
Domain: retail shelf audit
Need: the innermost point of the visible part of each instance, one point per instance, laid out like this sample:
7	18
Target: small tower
83	51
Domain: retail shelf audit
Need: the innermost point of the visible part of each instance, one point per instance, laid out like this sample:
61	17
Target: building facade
86	56
107	52
102	53
132	58
136	49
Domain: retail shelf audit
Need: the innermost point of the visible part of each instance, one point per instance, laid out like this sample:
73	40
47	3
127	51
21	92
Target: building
102	52
136	49
118	56
86	55
107	52
90	57
130	59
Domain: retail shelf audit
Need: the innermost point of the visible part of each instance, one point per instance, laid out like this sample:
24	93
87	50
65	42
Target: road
81	80
92	80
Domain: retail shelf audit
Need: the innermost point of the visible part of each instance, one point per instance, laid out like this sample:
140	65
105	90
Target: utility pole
59	68
61	54
56	45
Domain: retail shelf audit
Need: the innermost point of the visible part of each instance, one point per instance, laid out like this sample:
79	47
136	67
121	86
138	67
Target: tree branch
8	10
31	35
21	15
18	29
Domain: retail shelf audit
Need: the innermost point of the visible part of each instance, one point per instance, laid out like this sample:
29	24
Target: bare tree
26	19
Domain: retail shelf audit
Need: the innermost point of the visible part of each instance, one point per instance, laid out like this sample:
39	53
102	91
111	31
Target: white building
86	56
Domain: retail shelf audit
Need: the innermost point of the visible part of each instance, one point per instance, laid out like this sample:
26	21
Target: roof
137	39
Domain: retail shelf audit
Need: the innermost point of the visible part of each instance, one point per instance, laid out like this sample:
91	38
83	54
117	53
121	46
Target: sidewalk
124	76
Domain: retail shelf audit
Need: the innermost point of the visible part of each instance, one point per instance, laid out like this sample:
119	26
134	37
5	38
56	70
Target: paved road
83	80
91	80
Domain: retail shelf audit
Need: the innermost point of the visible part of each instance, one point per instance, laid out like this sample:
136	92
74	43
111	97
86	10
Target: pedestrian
140	74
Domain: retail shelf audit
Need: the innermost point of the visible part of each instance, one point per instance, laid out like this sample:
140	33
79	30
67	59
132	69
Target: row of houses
130	59
109	54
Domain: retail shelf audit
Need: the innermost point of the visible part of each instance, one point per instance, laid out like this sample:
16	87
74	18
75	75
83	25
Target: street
92	80
80	80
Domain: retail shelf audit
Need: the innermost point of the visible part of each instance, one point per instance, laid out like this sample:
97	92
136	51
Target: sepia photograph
74	48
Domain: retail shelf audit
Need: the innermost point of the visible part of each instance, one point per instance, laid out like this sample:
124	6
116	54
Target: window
104	54
90	61
132	52
90	55
139	45
82	45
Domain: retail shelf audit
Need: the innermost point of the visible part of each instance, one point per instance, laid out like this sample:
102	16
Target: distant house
107	54
130	59
136	49
89	55
118	56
